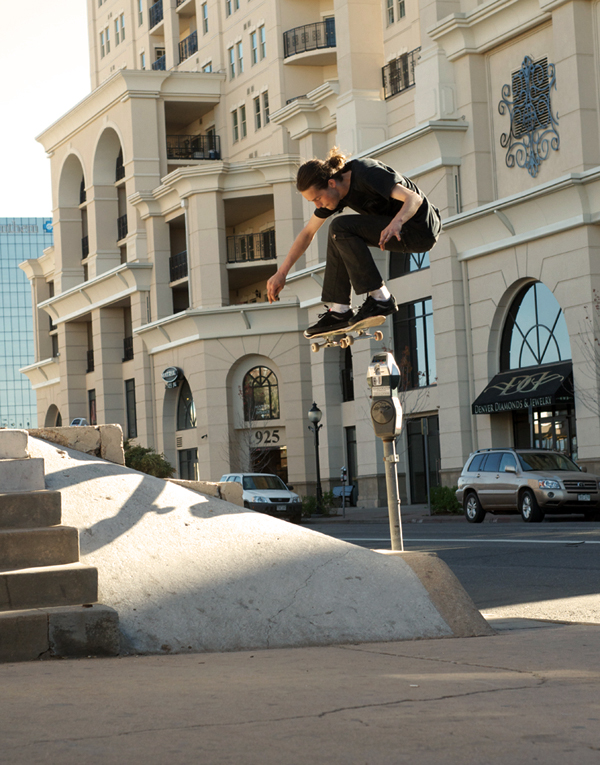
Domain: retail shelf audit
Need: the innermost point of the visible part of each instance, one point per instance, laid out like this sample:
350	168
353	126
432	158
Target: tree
147	460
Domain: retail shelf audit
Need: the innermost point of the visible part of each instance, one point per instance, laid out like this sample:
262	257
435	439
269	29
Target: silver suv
532	482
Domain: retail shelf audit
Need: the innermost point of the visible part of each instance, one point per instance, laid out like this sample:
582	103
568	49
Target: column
72	347
107	332
207	251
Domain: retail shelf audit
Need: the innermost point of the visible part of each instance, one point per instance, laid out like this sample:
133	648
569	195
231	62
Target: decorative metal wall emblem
532	125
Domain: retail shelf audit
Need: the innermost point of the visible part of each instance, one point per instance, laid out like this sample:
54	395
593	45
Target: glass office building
20	239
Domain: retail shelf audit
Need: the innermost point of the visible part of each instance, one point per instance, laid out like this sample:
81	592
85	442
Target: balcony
121	227
127	348
119	168
310	38
193	147
85	247
188	47
399	74
160	63
156	13
251	247
178	266
90	361
82	193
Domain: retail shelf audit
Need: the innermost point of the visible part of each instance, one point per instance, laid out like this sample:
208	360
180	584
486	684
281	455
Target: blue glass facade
20	239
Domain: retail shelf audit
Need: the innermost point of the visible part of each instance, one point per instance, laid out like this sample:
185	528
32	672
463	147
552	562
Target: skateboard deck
344	338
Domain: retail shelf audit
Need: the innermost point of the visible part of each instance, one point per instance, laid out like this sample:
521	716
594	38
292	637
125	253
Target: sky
45	72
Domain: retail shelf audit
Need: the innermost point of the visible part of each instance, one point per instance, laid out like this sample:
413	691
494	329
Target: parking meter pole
393	495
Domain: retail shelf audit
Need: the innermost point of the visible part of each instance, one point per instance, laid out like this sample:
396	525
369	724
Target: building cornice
109	287
562	204
220	323
42	373
488	25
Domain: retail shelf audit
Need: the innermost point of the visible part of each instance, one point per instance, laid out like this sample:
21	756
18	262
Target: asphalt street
545	571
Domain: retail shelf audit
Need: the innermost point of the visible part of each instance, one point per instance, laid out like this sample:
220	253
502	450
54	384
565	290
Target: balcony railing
178	266
399	74
90	361
85	247
156	13
309	37
249	247
188	47
160	63
82	194
127	348
121	227
193	147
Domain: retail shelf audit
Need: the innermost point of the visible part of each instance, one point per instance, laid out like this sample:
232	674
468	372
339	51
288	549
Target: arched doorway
535	341
53	417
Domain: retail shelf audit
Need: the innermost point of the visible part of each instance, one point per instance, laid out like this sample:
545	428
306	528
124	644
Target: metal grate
248	247
574	487
178	266
309	37
121	227
127	348
399	74
85	247
188	47
156	13
531	98
193	147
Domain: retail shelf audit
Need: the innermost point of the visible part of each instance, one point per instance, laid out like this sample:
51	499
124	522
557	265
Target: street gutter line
493	541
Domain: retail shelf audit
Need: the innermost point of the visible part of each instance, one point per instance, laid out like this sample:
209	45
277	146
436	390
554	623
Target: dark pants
349	260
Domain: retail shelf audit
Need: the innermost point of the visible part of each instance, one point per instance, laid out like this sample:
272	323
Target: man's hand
274	286
393	229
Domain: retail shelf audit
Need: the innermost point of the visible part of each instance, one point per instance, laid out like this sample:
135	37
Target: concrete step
70	631
69	585
30	509
30	548
22	475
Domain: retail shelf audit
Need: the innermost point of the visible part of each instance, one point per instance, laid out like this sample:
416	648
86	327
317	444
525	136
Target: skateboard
344	338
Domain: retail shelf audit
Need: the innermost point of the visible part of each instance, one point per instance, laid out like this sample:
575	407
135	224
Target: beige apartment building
174	200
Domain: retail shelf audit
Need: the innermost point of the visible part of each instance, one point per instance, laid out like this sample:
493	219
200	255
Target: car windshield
262	482
546	461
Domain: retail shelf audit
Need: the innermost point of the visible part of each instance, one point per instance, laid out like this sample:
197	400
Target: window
476	463
535	331
240	57
119	29
346	374
414	343
92	407
402	263
236	128
107	39
142	60
253	48
130	408
263	41
507	459
231	63
104	43
266	118
140	12
390	12
204	18
261	395
188	464
257	116
401	9
243	130
228	7
207	67
186	410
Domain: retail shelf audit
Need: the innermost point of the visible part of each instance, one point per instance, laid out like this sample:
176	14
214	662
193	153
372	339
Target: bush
443	500
309	504
147	460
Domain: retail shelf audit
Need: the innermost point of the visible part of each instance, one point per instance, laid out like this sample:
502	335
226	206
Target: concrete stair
48	599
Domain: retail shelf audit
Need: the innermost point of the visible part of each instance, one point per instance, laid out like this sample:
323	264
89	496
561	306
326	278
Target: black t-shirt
371	184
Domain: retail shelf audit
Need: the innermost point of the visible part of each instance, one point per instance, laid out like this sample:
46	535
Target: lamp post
314	415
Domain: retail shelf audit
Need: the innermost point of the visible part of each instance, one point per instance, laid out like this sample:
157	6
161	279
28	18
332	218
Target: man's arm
411	203
301	243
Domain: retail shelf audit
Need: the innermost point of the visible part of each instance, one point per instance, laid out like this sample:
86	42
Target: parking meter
383	377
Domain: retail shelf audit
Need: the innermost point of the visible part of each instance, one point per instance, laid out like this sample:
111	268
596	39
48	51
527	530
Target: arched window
535	331
186	411
261	395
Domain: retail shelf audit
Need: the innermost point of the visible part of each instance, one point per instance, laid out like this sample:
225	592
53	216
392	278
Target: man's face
329	197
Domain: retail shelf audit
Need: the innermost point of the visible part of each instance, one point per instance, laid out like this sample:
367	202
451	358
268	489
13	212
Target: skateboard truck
344	338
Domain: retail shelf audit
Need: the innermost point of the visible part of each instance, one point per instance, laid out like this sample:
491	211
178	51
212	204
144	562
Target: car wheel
474	513
530	510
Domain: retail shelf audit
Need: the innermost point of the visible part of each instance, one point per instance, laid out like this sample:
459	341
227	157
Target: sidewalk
409	514
529	694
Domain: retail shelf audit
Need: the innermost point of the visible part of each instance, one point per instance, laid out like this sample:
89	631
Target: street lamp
314	415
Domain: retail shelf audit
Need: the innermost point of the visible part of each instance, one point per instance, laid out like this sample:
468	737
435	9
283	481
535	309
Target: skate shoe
330	321
371	308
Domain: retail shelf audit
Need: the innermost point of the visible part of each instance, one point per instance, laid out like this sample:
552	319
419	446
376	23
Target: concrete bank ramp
190	573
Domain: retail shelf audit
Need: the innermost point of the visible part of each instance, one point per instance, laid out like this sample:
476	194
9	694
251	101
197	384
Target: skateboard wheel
344	342
378	335
350	341
315	347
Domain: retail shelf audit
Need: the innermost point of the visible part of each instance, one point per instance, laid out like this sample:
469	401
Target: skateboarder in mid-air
393	214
